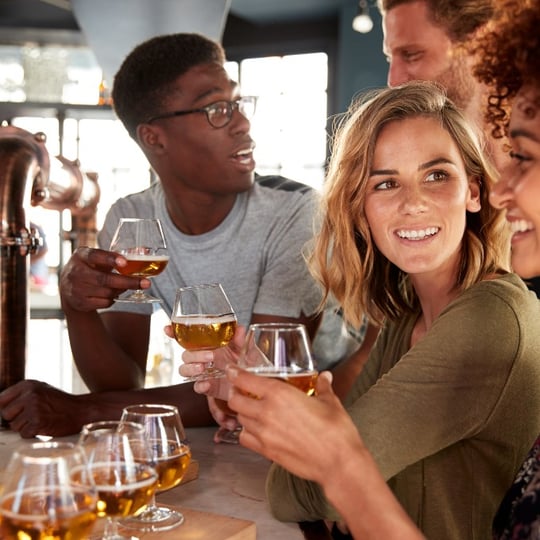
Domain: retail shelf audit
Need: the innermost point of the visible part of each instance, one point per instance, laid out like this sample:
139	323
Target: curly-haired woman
511	66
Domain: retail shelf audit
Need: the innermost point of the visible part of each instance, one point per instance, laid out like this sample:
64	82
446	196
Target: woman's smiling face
519	191
417	197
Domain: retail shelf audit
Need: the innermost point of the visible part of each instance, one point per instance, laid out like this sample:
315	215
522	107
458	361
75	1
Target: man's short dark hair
146	75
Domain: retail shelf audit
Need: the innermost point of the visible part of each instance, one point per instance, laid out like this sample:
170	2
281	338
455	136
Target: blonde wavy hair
344	257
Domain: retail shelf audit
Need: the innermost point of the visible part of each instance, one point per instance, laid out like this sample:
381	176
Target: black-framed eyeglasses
219	113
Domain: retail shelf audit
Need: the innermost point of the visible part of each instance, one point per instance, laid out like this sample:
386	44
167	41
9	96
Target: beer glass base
208	373
224	435
155	519
138	297
114	537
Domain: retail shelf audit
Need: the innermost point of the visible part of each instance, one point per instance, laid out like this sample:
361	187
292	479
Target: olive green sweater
449	420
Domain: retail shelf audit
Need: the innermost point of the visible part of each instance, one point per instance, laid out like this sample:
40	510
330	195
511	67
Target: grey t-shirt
255	253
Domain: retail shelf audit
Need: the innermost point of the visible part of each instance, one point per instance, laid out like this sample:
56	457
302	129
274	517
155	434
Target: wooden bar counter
225	502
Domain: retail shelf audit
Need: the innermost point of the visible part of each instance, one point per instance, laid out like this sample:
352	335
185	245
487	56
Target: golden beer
172	468
31	519
143	265
304	381
120	495
203	332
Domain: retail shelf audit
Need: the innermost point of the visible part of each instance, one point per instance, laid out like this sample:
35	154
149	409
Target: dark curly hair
147	74
459	18
509	57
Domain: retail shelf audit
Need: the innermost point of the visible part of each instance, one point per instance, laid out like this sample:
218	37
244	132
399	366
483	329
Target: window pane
106	148
307	71
11	74
290	124
49	74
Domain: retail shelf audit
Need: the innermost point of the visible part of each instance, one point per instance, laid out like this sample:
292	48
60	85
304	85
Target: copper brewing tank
28	178
24	170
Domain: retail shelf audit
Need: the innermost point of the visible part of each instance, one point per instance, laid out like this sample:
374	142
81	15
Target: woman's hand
295	430
195	363
225	418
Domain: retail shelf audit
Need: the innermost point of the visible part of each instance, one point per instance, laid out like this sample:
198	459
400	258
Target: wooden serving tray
197	525
192	472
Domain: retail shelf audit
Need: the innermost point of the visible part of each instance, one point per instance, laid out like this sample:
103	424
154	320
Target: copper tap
24	173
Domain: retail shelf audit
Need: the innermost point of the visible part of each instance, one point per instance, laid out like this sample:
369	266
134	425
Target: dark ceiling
252	27
23	16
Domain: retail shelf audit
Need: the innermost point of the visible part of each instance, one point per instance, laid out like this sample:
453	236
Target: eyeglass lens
220	113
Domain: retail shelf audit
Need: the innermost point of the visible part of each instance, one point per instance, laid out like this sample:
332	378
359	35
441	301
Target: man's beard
459	82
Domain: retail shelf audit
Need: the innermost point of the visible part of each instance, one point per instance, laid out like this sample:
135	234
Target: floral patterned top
518	516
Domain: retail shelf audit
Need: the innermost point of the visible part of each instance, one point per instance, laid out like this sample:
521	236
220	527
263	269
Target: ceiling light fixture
362	23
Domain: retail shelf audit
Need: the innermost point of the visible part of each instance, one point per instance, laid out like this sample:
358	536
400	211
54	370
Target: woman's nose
502	192
413	200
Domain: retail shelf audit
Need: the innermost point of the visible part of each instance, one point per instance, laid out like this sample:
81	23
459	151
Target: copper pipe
70	188
83	216
24	171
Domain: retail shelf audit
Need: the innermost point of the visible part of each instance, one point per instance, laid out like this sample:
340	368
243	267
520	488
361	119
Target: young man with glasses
176	100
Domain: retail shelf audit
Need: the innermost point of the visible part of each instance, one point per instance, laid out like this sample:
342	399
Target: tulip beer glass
203	318
118	457
170	456
48	493
142	243
281	351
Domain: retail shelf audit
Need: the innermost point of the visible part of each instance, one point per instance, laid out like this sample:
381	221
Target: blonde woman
409	237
